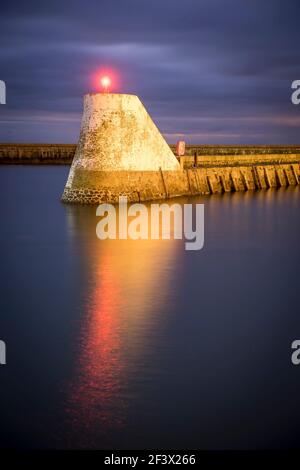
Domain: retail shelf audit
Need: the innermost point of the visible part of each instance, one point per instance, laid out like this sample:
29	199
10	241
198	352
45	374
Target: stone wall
58	154
146	186
211	150
64	153
188	161
269	167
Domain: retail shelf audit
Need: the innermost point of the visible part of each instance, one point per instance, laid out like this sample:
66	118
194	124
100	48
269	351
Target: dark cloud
208	71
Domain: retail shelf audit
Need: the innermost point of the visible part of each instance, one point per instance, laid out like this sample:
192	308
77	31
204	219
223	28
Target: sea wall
11	153
223	150
221	169
93	187
188	161
33	154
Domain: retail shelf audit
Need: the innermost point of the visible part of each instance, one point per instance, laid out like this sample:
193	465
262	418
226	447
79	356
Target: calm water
140	344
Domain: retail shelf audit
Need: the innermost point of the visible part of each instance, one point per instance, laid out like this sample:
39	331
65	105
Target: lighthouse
119	145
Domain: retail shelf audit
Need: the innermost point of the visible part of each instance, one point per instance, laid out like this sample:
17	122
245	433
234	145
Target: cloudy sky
209	71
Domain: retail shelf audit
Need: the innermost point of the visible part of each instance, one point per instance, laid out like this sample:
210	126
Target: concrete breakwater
14	153
203	170
209	179
237	150
36	154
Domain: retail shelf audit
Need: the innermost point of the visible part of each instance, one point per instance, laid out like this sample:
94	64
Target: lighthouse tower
119	151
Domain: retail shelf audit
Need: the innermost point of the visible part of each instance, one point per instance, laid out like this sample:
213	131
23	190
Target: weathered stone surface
249	179
192	181
238	150
271	176
214	181
242	159
290	175
202	181
296	170
260	171
58	154
176	183
149	185
208	155
226	180
237	179
281	176
117	134
137	186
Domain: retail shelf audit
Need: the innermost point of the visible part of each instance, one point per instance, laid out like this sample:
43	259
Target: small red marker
180	148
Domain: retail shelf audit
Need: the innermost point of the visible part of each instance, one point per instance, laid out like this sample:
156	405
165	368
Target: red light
105	83
106	80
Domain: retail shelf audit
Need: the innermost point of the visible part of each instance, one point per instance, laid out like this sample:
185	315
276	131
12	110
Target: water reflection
248	219
145	345
162	331
122	309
